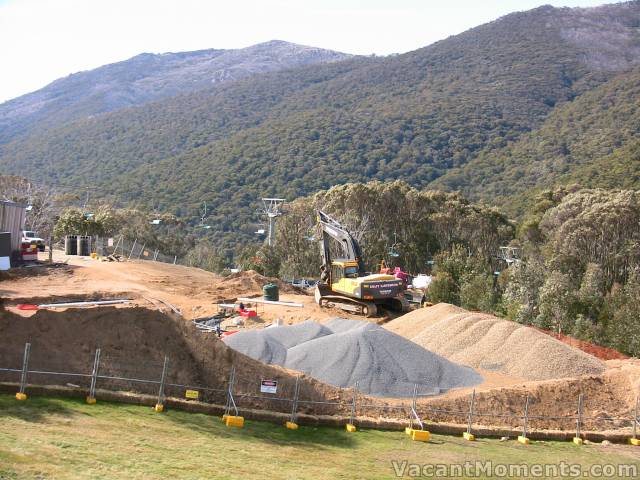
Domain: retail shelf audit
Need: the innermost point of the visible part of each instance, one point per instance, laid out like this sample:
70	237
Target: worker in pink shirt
400	275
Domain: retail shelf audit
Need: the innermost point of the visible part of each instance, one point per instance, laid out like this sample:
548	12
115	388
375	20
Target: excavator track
368	309
360	307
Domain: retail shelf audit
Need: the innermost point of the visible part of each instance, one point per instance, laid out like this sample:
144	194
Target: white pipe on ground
271	302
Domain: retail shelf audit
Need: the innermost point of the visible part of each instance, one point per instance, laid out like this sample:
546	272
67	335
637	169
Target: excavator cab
345	277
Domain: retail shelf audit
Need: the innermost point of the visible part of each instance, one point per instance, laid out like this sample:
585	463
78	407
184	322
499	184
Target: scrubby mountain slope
593	141
414	116
148	77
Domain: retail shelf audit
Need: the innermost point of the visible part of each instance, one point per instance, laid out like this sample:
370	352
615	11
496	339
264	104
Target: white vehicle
29	236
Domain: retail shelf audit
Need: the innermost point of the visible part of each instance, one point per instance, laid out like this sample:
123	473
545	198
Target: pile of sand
490	343
349	352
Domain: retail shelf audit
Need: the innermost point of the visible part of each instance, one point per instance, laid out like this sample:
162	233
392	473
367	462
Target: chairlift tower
511	255
271	208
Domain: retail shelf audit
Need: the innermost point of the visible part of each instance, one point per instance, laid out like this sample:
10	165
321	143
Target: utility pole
271	209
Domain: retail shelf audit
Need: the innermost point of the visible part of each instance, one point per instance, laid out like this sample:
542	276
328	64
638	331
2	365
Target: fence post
351	425
134	246
155	255
468	435
159	406
294	405
115	248
635	419
578	438
413	404
175	259
91	399
23	377
230	400
142	250
523	438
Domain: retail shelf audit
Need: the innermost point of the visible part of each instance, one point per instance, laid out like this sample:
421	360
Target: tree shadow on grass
265	432
34	409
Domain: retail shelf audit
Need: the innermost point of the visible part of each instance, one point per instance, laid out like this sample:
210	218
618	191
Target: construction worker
400	275
383	268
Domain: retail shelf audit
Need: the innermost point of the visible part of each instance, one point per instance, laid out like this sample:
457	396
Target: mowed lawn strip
67	439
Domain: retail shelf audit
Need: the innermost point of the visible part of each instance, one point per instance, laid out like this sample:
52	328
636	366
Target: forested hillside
594	141
415	117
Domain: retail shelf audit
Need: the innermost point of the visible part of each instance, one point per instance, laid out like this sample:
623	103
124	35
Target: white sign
110	242
268	386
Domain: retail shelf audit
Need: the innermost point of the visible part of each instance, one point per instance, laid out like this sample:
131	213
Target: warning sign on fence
192	394
268	386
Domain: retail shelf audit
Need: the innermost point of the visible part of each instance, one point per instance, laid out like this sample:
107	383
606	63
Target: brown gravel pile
490	343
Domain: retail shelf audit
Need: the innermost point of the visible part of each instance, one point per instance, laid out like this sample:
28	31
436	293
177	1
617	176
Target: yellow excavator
344	282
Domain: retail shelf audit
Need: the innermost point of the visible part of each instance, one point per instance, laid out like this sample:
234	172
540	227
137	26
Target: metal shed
12	217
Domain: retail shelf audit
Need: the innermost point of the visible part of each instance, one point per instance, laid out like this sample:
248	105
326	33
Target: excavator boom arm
331	229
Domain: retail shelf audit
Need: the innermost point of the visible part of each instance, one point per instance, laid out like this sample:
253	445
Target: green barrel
271	292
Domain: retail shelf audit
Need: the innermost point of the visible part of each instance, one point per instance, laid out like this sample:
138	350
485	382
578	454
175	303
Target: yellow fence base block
291	425
469	436
350	427
523	440
408	430
578	441
91	400
420	435
232	421
159	407
635	441
21	396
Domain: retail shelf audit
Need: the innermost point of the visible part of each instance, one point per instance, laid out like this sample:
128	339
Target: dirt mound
133	343
598	351
251	281
606	396
346	353
490	343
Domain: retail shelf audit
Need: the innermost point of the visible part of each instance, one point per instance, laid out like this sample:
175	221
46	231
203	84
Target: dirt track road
195	292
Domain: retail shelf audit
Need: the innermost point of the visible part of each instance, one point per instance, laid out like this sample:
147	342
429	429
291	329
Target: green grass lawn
61	438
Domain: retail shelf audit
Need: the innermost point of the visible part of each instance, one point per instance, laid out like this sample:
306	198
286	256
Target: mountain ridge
148	77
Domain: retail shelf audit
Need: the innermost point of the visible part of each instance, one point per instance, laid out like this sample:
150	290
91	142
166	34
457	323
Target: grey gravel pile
343	352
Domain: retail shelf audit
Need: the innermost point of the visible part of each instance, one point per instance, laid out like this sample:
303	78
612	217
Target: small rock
504	439
587	442
605	442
